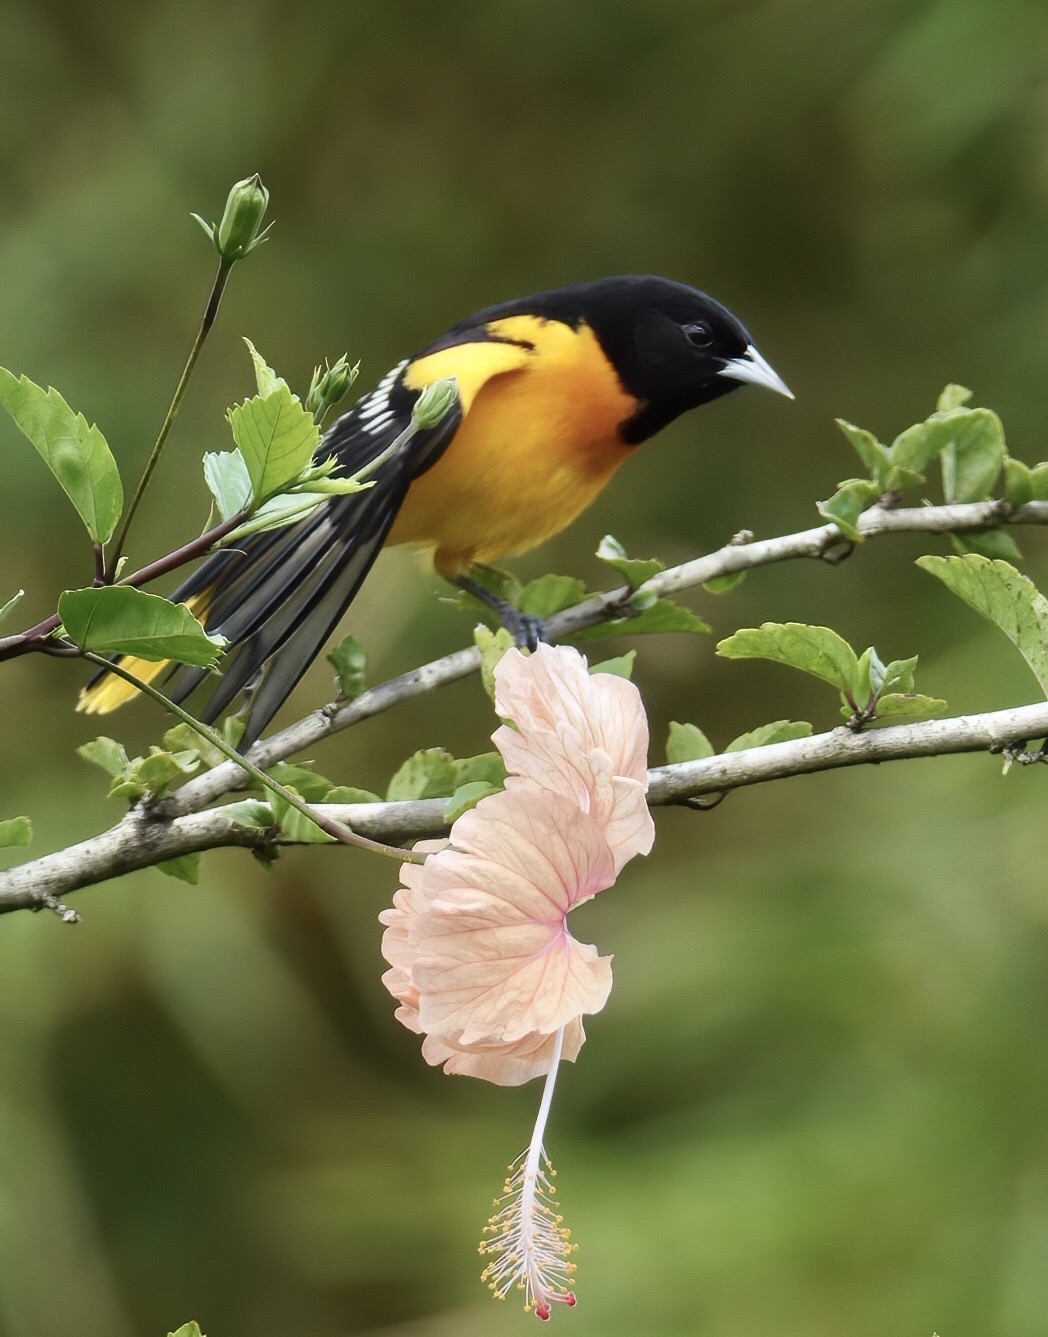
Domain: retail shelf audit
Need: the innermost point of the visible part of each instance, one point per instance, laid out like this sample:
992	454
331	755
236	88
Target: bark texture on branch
186	822
144	838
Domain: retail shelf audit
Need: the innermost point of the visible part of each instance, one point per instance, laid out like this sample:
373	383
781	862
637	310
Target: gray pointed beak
753	368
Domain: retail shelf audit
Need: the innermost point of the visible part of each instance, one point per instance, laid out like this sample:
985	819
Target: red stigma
542	1312
570	1300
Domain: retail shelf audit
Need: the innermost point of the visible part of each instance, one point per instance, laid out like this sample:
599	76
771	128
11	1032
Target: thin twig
225	268
35	639
336	830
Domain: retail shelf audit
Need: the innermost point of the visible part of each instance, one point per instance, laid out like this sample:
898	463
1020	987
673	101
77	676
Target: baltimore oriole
555	392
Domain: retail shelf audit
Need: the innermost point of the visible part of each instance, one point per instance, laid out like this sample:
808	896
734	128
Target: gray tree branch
143	838
186	822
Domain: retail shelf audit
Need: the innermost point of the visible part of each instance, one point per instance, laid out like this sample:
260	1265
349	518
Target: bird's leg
528	631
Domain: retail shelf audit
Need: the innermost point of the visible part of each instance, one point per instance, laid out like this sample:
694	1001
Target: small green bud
329	387
435	403
642	600
238	233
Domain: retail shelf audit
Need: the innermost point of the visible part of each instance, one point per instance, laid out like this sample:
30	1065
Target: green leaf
974	456
348	794
620	667
252	813
160	769
898	676
723	584
118	620
915	448
228	481
107	753
15	832
11	604
847	504
898	479
295	826
428	774
277	438
952	397
687	742
76	453
863	688
349	660
634	571
184	738
152	774
488	767
872	453
971	442
996	544
466	797
551	594
779	731
276	513
1018	482
186	868
307	784
187	1329
909	706
232	729
815	650
663	616
265	377
998	592
492	646
1039	481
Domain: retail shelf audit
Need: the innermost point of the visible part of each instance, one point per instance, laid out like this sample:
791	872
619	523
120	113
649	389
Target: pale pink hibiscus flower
482	962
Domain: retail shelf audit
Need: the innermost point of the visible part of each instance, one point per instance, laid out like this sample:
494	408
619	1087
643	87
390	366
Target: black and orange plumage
556	391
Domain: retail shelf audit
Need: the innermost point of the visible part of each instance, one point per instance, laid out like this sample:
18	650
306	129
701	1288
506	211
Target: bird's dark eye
700	334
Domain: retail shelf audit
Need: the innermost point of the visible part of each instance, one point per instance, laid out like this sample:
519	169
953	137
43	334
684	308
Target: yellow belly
536	445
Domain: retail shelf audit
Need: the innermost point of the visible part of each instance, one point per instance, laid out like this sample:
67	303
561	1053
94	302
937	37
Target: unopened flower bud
329	387
238	233
435	403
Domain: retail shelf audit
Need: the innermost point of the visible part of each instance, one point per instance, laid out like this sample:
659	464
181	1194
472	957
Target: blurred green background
817	1101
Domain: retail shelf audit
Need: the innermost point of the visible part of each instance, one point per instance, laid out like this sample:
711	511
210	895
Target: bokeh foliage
817	1101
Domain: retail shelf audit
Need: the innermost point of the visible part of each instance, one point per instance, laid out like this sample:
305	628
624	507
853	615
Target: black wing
278	596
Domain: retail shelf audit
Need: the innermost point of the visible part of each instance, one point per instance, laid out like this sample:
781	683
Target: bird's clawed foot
527	630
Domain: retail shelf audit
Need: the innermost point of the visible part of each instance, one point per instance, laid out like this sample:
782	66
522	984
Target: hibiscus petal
492	956
495	985
527	855
552	688
505	1065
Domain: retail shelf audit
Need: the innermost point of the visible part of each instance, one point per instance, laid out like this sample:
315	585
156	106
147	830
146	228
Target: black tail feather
279	596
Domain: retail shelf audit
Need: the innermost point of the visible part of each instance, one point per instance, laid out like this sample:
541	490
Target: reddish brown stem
36	638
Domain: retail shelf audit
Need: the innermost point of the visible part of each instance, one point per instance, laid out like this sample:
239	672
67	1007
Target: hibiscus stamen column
530	1246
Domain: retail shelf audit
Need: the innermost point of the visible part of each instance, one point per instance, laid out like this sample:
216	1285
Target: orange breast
538	442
